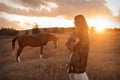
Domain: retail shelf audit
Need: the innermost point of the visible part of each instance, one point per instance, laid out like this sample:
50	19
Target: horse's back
33	40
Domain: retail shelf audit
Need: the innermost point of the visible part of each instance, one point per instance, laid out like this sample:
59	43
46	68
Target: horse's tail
13	43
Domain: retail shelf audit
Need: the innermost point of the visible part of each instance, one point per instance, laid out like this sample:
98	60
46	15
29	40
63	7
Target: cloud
8	9
8	24
65	8
28	7
117	19
88	8
32	3
114	6
68	8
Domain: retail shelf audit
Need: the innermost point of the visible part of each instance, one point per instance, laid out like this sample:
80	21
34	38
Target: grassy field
103	61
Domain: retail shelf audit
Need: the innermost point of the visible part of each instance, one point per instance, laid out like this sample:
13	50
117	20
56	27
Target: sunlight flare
100	23
25	22
100	29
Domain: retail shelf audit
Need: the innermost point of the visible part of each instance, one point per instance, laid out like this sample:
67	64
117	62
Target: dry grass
103	63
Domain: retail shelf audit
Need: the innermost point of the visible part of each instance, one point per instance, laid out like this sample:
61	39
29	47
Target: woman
78	46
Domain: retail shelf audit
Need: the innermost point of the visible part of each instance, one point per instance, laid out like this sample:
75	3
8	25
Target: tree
35	30
8	32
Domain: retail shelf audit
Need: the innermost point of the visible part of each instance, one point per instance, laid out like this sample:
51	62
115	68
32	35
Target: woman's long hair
80	19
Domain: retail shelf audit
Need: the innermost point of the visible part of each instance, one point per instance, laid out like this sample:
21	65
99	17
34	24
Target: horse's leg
41	51
18	54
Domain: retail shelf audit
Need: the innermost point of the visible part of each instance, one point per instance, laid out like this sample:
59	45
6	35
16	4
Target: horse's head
54	39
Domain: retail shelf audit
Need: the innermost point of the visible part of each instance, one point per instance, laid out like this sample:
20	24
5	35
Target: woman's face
77	23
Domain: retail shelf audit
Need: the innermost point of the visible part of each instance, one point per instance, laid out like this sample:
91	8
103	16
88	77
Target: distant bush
46	30
92	29
8	32
55	30
35	30
26	32
113	30
58	30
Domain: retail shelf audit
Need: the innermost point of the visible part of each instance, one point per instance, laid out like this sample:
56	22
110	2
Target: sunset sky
24	14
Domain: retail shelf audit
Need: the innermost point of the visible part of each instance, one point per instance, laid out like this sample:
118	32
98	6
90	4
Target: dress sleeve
71	41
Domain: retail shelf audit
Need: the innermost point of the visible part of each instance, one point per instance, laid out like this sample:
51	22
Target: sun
100	29
100	23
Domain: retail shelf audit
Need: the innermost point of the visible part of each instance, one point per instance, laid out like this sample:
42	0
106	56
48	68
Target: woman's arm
71	41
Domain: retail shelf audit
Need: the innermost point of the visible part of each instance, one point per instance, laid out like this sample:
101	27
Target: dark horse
34	41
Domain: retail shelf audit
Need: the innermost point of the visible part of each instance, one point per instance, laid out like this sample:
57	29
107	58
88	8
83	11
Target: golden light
100	23
43	22
25	22
100	29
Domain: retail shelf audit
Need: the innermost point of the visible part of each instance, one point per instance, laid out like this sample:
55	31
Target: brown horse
33	41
